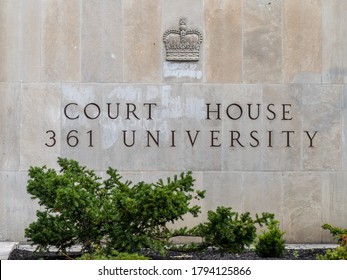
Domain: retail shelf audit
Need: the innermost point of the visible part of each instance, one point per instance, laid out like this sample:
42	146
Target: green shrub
270	243
340	252
100	254
230	231
79	208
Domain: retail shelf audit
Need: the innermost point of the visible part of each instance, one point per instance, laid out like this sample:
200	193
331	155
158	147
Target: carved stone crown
183	44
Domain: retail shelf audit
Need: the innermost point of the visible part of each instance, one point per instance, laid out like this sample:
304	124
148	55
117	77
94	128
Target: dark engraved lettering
250	114
214	138
254	138
125	138
98	111
192	142
156	140
233	138
173	138
132	111
311	137
109	111
270	138
150	109
213	111
52	138
288	137
270	111
239	108
65	111
286	112
72	140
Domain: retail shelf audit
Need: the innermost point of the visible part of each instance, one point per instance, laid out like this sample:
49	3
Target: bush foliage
230	231
270	244
340	252
79	208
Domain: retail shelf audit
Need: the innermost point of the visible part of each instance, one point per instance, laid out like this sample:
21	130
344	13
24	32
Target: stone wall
259	119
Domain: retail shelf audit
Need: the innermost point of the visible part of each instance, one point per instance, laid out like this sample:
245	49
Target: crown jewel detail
183	44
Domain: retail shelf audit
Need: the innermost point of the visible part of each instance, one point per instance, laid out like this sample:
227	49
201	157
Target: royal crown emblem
183	44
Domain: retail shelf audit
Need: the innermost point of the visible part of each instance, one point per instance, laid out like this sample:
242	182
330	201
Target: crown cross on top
183	44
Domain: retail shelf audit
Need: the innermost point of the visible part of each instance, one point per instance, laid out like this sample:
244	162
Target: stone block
9	126
321	112
282	126
40	125
102	41
262	41
82	127
193	11
302	41
17	209
223	189
334	41
203	134
223	41
344	128
302	202
20	26
263	193
334	202
142	40
61	28
242	134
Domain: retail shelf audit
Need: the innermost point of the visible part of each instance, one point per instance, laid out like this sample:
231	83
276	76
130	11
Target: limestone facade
259	119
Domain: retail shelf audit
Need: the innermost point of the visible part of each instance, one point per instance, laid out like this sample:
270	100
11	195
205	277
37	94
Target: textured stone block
223	189
9	126
83	112
321	112
334	202
61	26
102	41
344	128
282	123
334	41
223	41
17	209
142	40
262	41
263	193
40	125
20	37
302	41
302	201
242	133
203	135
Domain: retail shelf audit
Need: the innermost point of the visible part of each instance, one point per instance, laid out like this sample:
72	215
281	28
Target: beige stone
102	41
17	209
283	151
321	112
82	124
223	189
20	29
302	200
142	40
223	41
202	137
9	126
334	202
263	193
334	41
302	41
262	41
240	150
40	125
61	26
344	129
